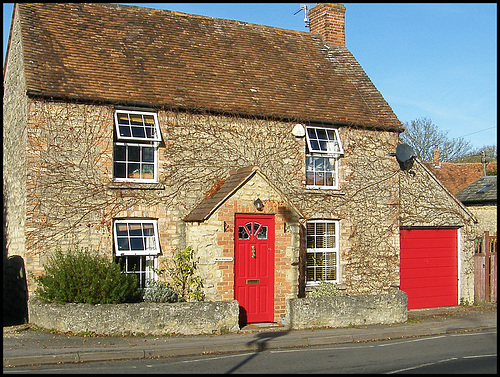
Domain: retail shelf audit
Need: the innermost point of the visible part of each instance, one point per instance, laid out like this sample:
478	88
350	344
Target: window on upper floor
137	126
135	157
323	150
322	251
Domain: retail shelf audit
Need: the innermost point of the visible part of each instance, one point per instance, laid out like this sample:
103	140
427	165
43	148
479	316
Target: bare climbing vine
71	195
70	179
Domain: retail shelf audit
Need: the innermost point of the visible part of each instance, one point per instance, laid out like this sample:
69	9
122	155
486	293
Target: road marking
479	356
218	357
308	349
441	361
411	341
421	366
360	346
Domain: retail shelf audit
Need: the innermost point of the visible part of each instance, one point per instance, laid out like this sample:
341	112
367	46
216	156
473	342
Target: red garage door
429	267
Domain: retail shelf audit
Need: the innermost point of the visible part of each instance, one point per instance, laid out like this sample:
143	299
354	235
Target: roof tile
483	191
163	58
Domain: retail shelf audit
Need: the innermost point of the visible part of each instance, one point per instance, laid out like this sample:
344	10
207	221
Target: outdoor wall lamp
258	204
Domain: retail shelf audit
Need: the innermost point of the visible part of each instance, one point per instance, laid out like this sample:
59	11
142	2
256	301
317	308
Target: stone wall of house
68	158
73	199
367	206
15	110
209	255
487	219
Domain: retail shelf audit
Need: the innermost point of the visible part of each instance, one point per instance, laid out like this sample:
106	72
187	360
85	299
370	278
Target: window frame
136	142
252	228
335	249
145	272
334	172
127	162
316	153
320	151
130	251
157	136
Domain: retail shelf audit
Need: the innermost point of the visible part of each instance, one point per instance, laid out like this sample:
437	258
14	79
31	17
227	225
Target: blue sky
433	60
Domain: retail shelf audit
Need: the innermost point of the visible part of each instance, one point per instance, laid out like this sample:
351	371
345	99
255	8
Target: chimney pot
435	155
328	20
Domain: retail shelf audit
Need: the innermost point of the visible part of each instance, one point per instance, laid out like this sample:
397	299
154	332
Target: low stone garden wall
185	318
344	311
208	317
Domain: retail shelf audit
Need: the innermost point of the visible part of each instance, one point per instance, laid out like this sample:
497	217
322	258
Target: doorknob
253	251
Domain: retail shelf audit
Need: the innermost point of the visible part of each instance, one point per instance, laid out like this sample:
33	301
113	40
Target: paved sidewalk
24	346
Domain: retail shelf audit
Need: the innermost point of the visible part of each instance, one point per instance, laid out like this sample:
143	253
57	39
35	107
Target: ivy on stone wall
72	198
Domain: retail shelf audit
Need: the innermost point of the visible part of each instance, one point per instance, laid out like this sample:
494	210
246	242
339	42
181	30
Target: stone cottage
137	132
481	198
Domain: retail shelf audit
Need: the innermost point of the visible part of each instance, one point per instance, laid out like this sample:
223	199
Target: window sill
314	284
323	190
136	186
148	253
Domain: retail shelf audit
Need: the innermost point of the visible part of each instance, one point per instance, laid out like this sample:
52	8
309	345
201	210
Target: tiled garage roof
483	191
126	54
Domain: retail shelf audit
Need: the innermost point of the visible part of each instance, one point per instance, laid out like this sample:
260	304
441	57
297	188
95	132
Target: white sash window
135	150
322	251
136	237
137	126
323	150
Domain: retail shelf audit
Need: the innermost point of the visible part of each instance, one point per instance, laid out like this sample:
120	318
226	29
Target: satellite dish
405	156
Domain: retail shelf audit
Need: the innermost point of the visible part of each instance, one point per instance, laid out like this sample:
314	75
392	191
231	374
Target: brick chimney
435	157
328	20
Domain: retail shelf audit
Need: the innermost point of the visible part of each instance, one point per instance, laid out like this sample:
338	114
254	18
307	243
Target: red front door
254	267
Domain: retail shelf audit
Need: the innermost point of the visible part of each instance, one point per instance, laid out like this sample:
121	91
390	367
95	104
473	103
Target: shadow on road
261	341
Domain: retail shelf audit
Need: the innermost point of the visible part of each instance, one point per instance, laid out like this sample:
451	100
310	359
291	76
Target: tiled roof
228	187
213	201
483	191
127	54
456	176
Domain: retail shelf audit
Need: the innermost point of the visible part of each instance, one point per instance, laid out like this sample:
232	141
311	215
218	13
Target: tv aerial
304	7
405	156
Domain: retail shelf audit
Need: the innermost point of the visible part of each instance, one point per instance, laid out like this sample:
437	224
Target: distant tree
423	136
490	154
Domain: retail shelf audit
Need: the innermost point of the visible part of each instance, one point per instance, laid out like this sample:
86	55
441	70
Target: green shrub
325	289
181	271
158	291
79	276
